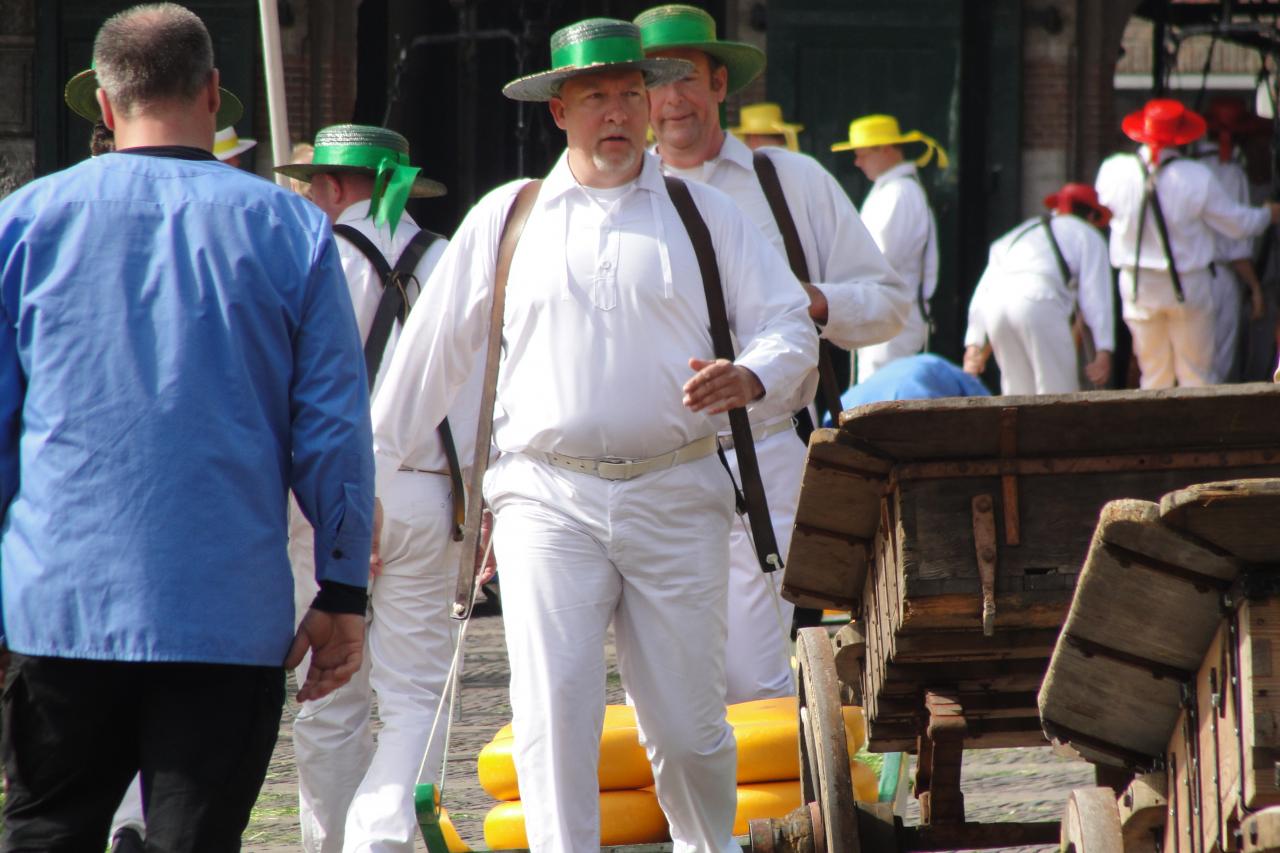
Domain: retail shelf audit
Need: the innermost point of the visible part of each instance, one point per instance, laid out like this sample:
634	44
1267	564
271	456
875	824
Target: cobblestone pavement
998	784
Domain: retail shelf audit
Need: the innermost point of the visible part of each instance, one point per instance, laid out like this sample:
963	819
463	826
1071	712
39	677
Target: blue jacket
177	350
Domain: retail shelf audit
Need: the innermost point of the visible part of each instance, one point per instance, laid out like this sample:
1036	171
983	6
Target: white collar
903	170
354	212
560	179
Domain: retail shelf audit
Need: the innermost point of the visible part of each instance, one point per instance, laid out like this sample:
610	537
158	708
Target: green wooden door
949	68
64	45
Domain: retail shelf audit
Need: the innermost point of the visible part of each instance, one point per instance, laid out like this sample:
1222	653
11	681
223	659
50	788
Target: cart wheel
824	754
1260	832
1092	822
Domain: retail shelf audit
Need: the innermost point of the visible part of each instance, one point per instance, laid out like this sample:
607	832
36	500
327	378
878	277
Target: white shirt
866	300
1235	183
1024	256
366	291
598	329
1195	207
362	279
896	212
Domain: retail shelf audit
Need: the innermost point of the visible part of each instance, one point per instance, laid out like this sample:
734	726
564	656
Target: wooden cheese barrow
954	531
1165	669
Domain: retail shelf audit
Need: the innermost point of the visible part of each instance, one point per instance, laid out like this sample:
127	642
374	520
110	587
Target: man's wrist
335	597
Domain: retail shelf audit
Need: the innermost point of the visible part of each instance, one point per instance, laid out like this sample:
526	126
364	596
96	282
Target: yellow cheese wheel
767	731
623	764
765	800
778	799
866	785
626	817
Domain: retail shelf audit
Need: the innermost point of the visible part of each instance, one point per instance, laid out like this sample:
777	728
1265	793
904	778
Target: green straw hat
81	95
375	151
678	26
596	44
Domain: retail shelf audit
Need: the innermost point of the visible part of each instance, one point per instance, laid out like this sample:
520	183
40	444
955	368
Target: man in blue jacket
177	351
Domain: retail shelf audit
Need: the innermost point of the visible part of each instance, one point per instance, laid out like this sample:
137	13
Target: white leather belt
759	433
614	468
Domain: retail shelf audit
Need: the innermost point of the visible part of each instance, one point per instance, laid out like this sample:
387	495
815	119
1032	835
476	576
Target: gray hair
152	52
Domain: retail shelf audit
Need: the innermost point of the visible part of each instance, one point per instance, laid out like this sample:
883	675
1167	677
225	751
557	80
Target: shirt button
337	554
606	265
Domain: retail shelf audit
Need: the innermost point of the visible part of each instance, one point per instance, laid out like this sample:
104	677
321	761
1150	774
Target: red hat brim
1249	125
1191	126
1104	212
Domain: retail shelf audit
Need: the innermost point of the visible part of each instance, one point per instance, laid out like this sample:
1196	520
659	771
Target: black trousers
76	731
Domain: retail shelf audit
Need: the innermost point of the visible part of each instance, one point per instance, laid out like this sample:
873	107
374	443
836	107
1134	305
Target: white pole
277	110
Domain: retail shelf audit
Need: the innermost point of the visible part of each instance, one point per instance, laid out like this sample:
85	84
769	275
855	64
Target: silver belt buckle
612	468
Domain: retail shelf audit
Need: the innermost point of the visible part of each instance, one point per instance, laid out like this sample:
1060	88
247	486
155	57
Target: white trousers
1227	295
758	649
354	796
1172	340
651	555
911	340
1029	326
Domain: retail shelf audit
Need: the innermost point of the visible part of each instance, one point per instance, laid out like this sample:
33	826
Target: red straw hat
1163	123
1071	196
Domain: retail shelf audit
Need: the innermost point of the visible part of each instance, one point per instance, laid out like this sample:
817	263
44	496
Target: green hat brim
81	95
545	85
743	61
422	187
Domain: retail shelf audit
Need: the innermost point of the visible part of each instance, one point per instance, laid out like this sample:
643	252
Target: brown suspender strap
767	175
512	228
1150	197
722	343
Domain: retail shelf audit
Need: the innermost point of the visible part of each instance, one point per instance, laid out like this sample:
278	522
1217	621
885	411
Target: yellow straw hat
765	119
873	130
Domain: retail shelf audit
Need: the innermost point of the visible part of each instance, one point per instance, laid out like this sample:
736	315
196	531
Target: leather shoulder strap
512	228
722	342
767	175
1063	269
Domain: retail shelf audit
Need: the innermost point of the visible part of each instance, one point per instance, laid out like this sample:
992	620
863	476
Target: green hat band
677	29
393	176
597	51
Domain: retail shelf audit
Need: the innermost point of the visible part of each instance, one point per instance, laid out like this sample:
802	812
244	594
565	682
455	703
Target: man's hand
486	570
336	641
975	359
1274	208
1098	371
817	303
719	386
375	551
1257	306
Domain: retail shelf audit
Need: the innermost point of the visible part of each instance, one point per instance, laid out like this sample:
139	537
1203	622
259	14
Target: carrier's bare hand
975	360
720	385
336	641
817	303
486	570
1098	371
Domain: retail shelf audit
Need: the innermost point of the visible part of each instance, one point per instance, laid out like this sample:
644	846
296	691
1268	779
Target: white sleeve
1093	274
1235	184
437	352
771	323
1230	218
867	302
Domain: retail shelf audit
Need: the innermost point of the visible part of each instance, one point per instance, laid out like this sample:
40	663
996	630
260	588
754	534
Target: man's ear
104	104
213	93
556	105
720	83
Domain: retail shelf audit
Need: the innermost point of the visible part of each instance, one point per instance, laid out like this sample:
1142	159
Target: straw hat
1163	123
227	144
1071	196
678	26
870	131
590	46
374	151
81	95
765	119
